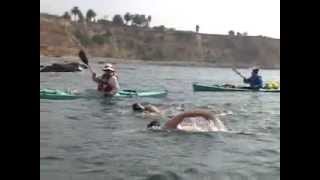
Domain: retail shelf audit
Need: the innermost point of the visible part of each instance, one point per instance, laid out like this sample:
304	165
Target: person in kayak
255	80
107	82
194	121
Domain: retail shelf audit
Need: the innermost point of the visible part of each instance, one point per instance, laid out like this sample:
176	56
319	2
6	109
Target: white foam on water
199	124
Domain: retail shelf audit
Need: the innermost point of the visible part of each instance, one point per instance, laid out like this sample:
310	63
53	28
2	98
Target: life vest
104	85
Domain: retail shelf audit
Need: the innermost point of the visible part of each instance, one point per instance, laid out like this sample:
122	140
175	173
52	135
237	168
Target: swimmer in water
137	107
197	120
191	121
148	111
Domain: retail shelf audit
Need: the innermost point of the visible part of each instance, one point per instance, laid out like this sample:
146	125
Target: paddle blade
83	57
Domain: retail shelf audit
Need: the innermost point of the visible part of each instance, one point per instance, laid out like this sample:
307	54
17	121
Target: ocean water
104	139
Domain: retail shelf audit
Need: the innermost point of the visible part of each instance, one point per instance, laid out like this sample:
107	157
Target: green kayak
58	94
223	88
55	94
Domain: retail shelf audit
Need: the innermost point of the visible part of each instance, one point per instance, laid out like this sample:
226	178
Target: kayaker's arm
247	80
152	109
95	78
173	123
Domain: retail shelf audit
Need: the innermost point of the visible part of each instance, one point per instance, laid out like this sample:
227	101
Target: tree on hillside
136	20
75	12
160	28
143	20
139	20
66	16
149	20
197	28
245	34
81	17
238	34
117	19
127	17
231	33
104	20
90	14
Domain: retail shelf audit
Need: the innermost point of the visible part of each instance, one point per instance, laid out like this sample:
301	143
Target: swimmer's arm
152	109
173	123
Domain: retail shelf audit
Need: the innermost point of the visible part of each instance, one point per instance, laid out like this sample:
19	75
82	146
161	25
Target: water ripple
56	158
169	175
101	138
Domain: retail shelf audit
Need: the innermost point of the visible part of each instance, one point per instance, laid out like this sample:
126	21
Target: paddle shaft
81	54
84	59
237	72
90	68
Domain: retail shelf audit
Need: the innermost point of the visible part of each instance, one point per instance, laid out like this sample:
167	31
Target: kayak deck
221	88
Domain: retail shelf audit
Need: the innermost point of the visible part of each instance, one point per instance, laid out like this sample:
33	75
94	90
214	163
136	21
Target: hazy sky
256	17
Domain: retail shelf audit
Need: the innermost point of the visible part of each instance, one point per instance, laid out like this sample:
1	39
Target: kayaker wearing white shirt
108	81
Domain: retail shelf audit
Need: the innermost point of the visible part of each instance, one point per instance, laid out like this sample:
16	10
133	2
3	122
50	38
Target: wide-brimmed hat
108	67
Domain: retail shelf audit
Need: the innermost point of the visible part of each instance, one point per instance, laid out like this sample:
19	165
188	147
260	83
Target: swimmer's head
153	124
138	107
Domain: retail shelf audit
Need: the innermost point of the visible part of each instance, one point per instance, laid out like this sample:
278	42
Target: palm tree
117	19
144	21
138	20
231	33
75	12
127	17
90	14
197	28
149	20
66	16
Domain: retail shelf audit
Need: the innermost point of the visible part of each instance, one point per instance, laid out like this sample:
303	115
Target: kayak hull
55	94
219	88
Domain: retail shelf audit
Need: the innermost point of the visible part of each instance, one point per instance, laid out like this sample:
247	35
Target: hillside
59	37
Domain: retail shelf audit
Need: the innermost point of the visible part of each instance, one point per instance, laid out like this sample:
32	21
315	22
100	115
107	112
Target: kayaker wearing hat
255	80
108	81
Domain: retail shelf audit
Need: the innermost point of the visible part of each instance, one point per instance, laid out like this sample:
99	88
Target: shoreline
102	60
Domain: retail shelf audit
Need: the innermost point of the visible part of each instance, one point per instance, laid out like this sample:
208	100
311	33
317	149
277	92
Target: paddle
237	72
84	59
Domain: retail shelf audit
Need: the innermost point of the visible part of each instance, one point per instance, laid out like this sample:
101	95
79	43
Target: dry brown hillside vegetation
60	37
